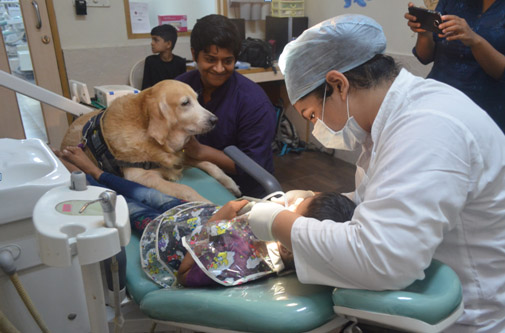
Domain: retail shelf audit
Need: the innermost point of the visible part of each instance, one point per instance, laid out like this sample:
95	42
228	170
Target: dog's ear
160	120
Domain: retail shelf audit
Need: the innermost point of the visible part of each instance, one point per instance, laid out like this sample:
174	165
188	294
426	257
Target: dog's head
175	114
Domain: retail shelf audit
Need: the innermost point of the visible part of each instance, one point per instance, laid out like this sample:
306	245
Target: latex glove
292	197
261	218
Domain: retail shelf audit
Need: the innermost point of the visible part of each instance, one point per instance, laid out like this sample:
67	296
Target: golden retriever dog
144	135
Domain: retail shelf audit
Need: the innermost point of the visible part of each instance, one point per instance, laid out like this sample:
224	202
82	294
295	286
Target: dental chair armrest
253	169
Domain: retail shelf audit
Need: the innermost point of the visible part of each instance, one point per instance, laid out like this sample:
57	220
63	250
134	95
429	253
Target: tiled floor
313	170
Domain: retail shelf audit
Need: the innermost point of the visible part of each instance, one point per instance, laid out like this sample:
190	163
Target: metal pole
95	299
16	84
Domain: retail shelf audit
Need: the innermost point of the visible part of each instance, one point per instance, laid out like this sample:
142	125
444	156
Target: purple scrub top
247	120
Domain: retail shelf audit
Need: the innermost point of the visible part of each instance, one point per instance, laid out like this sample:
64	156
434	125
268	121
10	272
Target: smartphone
429	19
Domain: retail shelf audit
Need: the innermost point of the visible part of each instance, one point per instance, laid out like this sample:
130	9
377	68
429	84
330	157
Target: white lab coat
433	186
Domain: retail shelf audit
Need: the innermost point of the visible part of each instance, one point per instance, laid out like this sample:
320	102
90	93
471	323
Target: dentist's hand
262	217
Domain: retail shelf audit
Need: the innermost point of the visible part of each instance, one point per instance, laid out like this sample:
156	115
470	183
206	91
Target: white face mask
350	137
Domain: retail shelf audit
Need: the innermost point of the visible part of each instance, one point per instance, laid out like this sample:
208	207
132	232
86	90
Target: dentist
430	181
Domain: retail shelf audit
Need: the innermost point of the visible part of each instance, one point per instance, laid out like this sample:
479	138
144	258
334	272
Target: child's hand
186	265
229	210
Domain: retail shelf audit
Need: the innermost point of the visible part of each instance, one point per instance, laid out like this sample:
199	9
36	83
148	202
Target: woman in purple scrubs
246	116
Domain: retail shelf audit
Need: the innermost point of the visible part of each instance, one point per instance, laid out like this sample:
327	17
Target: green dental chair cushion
276	304
430	300
206	186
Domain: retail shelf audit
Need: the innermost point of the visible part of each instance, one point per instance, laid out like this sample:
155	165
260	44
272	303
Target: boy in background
164	65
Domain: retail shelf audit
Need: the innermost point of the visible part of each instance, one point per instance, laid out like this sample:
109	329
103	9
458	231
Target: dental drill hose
8	266
28	302
108	203
5	325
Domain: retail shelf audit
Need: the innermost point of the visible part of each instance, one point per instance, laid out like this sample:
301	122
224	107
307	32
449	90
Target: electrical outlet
79	92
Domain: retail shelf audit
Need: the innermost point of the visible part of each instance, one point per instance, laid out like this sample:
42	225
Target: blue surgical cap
340	43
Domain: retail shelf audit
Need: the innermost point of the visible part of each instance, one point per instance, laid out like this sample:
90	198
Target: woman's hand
193	149
425	46
197	152
229	210
456	28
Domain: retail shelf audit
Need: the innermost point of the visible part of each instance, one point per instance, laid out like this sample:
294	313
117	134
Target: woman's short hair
381	68
215	30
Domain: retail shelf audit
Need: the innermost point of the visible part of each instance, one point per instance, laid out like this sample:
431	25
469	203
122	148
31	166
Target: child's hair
215	30
167	32
324	206
331	206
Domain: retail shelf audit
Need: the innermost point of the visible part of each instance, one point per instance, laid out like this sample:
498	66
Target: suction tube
28	302
5	325
7	256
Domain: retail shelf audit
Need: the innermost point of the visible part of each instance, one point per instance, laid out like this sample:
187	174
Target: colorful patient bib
229	253
161	250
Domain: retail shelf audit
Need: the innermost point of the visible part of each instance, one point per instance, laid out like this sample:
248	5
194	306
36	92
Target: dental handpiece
107	200
108	203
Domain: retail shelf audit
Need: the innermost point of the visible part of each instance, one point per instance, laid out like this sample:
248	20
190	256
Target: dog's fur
153	126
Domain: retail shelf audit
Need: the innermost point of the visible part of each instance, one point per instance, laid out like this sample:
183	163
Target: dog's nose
213	120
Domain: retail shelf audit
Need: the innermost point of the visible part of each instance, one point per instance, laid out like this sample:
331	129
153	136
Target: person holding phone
469	54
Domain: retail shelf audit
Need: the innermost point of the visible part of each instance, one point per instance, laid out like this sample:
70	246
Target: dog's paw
236	191
232	187
220	176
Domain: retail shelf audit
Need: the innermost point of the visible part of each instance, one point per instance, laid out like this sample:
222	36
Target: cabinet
280	30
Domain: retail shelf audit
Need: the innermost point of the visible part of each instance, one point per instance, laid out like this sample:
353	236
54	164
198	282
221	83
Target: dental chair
283	304
428	305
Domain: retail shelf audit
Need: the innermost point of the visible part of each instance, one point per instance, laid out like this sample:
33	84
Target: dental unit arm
11	82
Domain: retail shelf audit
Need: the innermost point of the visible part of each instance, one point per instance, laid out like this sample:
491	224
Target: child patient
226	252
